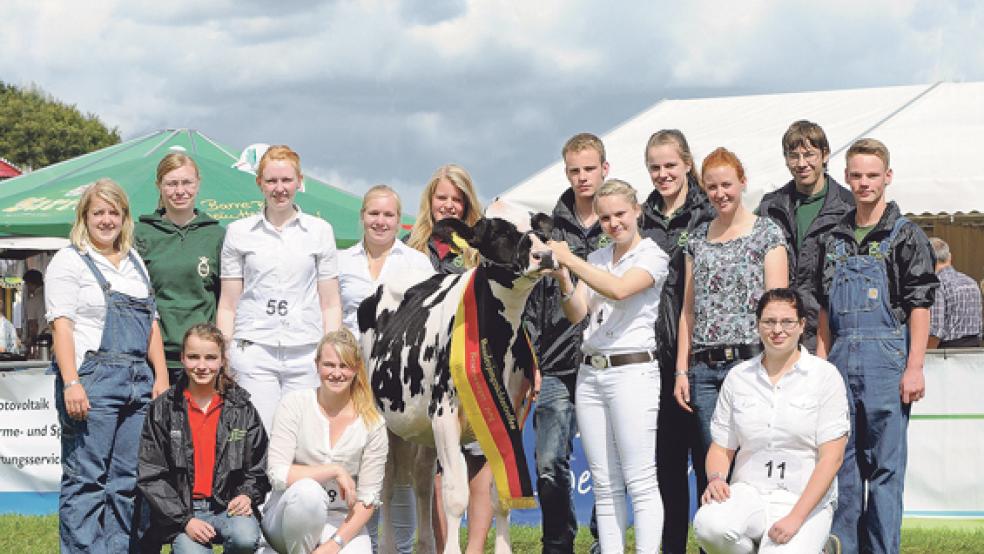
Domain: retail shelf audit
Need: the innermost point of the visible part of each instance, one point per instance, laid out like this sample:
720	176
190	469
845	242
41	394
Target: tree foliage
37	130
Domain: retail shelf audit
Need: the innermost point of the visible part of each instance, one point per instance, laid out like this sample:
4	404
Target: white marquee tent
935	134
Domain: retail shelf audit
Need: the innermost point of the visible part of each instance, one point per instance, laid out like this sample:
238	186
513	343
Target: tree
37	130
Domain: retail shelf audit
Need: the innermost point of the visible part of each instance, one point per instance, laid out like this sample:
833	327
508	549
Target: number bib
770	470
335	500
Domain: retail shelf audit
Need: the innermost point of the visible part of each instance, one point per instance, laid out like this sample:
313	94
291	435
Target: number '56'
275	307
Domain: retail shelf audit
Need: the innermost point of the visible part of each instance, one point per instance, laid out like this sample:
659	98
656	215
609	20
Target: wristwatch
337	539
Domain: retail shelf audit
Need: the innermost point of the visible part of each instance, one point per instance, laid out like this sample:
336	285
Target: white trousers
268	372
616	412
299	520
742	522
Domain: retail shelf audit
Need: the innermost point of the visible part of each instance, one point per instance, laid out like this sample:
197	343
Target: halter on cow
407	331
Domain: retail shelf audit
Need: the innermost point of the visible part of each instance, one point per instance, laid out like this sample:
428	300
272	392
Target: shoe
596	548
832	546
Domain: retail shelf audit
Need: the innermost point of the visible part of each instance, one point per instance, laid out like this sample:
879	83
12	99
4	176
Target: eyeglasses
185	184
786	324
809	156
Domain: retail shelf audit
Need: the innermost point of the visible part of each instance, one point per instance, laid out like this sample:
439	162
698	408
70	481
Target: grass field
39	535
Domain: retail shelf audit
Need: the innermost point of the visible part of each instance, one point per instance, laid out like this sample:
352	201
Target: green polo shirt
807	209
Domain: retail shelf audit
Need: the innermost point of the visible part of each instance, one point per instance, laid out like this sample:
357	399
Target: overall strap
136	263
103	283
886	244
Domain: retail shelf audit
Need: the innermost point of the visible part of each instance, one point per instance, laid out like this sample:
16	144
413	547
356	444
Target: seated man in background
955	318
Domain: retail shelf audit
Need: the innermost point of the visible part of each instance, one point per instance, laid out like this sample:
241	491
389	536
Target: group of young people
779	348
213	376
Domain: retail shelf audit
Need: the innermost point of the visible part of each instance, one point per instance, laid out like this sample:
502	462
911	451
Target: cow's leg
400	462
503	544
454	482
423	487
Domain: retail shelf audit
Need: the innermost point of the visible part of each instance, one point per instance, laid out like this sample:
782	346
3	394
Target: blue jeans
876	448
97	504
555	426
705	384
236	534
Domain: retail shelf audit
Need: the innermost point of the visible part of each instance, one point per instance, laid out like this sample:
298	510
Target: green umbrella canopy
42	203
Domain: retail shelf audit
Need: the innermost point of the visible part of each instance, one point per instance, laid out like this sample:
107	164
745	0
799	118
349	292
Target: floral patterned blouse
729	278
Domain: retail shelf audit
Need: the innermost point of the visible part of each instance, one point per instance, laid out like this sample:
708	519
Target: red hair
721	156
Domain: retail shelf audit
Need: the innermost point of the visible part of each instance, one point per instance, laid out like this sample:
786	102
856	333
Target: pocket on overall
894	352
855	293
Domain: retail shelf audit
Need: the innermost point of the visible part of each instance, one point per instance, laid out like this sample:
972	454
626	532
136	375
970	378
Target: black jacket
780	206
556	342
166	470
910	262
671	234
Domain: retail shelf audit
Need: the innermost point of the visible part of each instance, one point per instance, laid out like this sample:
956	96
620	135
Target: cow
406	329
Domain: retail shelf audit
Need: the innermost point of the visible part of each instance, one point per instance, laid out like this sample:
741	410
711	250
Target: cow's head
501	244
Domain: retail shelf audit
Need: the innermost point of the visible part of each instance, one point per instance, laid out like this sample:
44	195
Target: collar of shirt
763	374
397	248
213	404
261	220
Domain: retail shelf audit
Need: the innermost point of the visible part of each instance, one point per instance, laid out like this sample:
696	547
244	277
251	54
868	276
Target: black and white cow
406	330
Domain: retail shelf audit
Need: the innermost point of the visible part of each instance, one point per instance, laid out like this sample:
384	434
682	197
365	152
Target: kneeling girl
327	457
202	465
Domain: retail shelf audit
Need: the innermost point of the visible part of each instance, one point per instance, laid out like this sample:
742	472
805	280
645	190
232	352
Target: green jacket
183	263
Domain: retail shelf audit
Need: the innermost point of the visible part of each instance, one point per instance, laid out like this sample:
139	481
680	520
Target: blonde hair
276	153
169	163
871	147
107	190
421	232
378	191
209	332
616	187
581	142
347	347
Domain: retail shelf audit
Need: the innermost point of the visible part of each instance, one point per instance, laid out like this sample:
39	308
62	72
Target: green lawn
39	535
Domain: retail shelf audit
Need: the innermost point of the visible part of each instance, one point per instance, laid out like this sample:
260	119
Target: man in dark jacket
876	284
558	343
166	468
806	209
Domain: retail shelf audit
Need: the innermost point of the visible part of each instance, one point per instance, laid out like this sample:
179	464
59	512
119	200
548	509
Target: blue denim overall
870	349
99	453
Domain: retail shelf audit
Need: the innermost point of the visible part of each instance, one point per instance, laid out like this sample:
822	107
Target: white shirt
280	272
300	436
628	325
356	283
784	424
71	291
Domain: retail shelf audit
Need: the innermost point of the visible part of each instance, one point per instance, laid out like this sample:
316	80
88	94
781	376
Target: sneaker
596	548
832	546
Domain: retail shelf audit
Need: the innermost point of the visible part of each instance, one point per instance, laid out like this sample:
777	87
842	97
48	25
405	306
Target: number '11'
781	468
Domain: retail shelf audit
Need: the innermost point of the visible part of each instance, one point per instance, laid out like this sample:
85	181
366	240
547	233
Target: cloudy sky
375	91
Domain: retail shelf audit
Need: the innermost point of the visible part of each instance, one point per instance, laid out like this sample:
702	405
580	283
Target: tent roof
932	132
42	203
8	169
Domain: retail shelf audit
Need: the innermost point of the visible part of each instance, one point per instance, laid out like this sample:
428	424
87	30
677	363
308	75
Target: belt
729	353
601	361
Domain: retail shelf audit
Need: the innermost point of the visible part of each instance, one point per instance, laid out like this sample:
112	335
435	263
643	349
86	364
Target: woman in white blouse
362	267
617	391
279	291
785	414
103	317
377	256
326	459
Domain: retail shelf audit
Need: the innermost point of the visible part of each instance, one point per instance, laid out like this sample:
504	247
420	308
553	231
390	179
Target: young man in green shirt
806	209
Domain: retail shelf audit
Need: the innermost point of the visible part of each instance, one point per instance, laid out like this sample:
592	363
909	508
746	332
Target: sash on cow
483	396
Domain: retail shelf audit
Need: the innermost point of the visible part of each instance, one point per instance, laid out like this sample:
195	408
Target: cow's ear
542	223
445	230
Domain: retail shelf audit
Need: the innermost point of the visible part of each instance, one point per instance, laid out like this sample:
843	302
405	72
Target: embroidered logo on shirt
237	435
203	267
683	238
604	240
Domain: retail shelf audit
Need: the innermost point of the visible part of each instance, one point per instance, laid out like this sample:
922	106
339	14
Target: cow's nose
546	259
